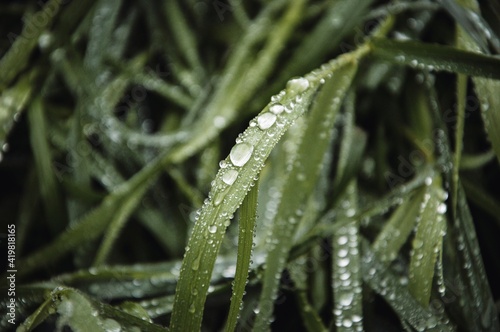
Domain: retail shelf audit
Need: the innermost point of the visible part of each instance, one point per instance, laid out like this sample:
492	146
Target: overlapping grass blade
230	187
397	229
436	57
248	214
387	284
431	227
234	180
307	165
81	313
93	224
17	58
50	191
477	310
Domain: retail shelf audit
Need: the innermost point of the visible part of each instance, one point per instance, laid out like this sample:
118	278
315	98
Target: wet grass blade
431	227
346	278
387	284
232	182
50	191
248	214
297	190
436	57
397	229
17	58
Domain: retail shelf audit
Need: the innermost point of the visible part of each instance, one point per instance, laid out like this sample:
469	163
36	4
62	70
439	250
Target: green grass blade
18	56
230	186
431	227
478	311
397	229
487	92
248	214
296	191
49	186
436	57
387	284
310	317
346	278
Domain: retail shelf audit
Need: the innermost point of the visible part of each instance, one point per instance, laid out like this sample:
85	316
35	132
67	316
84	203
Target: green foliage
358	193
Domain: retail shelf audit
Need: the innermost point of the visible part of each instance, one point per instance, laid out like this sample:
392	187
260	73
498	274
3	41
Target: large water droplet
111	325
240	154
266	120
277	109
297	85
230	176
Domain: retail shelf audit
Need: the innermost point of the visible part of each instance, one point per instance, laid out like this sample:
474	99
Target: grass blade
431	227
296	191
248	214
49	187
384	282
397	229
436	57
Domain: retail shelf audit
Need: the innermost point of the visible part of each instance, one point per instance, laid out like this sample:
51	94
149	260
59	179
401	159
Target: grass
275	165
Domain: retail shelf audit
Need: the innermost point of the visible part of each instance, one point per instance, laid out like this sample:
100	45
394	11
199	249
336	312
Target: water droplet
230	176
266	120
212	229
192	308
196	263
240	154
441	208
277	109
297	85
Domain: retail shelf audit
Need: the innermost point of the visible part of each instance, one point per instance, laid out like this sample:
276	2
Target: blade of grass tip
233	180
387	284
17	57
431	227
49	187
301	182
397	229
473	161
346	270
248	214
436	57
38	316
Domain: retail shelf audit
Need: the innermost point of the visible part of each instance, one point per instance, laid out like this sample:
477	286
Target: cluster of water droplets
347	283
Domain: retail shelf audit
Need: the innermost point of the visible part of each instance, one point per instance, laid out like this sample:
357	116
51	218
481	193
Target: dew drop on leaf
266	120
277	109
297	85
240	154
230	176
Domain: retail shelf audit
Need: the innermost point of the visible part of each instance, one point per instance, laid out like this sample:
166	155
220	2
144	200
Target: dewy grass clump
283	165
